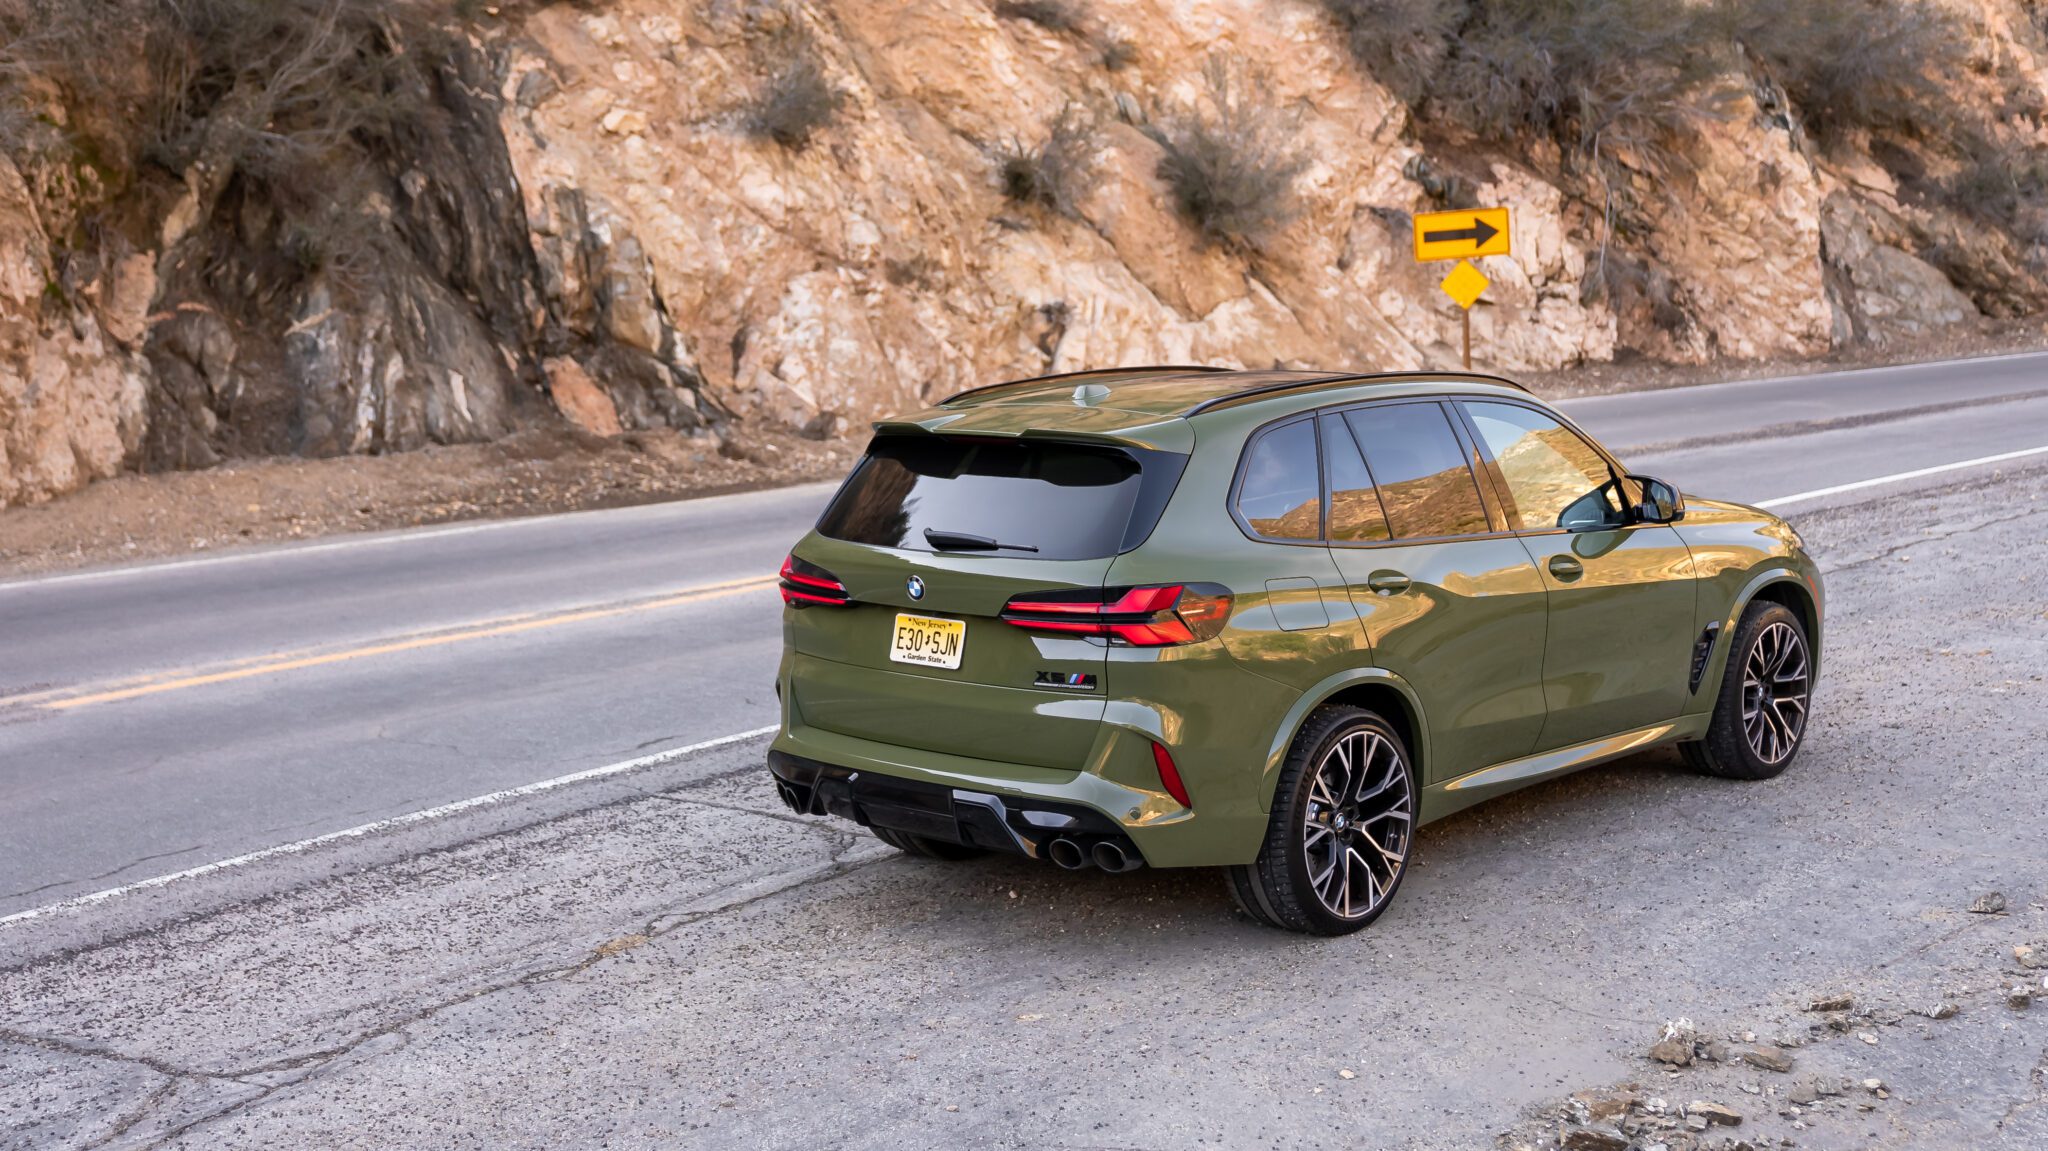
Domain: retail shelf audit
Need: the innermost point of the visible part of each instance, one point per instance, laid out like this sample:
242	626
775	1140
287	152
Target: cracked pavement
668	958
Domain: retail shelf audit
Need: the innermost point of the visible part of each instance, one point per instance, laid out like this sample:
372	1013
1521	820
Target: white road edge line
646	761
1895	477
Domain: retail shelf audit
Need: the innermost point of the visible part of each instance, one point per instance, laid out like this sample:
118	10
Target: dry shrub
1401	43
1856	64
293	105
1632	287
1059	16
1588	73
1593	75
253	81
1059	171
1232	161
798	100
2002	184
918	271
1118	51
24	130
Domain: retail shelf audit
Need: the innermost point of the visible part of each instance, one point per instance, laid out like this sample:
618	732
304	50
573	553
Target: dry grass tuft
1231	163
1058	172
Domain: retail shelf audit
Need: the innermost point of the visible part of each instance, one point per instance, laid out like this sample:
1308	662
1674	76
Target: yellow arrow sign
1462	234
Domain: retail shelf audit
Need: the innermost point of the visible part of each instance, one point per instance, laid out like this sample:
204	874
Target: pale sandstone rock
881	267
1743	239
71	403
630	314
1886	294
1532	317
579	398
787	257
624	122
131	289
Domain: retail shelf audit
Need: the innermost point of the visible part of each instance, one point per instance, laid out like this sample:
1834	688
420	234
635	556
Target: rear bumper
1158	830
1019	825
1110	786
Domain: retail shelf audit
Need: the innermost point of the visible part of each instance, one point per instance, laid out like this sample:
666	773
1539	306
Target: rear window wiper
962	542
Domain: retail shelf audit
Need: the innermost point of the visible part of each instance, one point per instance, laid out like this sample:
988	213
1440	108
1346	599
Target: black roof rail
1265	390
1149	370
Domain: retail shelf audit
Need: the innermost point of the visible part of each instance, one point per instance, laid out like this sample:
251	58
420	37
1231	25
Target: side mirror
1662	503
1600	510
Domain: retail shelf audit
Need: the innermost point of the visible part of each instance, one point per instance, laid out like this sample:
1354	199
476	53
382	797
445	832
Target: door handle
1387	582
1566	568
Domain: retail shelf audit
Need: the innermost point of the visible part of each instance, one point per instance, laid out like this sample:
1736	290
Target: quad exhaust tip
1111	857
1106	854
790	797
1067	854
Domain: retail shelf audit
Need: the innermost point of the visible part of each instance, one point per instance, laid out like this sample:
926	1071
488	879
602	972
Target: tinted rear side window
1069	501
1281	495
1355	514
1425	481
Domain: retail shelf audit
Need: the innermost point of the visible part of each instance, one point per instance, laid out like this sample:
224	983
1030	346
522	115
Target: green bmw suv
1268	621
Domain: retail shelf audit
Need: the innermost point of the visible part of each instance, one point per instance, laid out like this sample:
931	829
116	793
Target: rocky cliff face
72	396
601	233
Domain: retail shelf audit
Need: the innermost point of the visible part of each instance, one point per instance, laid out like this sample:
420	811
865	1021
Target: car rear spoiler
1167	435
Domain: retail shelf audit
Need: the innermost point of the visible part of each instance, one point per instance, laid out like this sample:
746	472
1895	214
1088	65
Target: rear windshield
1068	501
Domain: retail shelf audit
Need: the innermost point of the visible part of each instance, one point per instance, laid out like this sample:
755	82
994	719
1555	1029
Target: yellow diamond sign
1465	283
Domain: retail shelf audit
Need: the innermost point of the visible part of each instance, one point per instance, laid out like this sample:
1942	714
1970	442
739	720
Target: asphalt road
659	955
100	786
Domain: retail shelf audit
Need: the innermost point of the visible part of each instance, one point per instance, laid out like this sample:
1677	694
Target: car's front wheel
1342	831
1760	716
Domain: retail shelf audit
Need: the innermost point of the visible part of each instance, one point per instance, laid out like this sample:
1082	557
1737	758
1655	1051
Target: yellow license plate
932	642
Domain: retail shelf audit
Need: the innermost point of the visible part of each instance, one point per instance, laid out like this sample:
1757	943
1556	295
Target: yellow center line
485	629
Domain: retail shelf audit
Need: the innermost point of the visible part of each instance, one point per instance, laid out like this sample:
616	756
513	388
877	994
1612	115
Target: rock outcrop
598	237
72	392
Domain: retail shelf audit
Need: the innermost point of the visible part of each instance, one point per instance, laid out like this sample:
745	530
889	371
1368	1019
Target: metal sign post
1464	284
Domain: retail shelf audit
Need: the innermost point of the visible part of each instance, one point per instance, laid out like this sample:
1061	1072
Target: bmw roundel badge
915	586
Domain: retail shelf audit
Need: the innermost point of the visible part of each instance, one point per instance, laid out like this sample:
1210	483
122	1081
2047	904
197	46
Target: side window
1281	496
1424	478
1355	512
1555	479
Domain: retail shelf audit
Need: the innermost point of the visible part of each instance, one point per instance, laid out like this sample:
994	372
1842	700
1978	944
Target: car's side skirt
1474	787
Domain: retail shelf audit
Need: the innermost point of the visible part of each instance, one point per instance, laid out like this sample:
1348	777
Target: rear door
1451	603
1622	595
930	537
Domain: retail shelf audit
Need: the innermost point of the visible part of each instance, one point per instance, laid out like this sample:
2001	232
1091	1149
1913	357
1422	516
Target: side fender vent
1701	649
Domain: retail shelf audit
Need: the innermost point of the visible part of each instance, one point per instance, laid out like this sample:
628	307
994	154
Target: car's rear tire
1761	712
923	848
1343	819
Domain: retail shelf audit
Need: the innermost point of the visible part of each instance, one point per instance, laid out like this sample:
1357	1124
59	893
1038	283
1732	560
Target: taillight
1155	616
1169	775
807	583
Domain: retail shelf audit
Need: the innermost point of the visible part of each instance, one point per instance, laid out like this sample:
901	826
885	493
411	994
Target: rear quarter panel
1217	705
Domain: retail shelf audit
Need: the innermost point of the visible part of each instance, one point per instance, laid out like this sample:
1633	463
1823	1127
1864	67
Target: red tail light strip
807	583
1155	616
791	595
